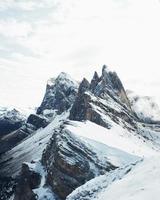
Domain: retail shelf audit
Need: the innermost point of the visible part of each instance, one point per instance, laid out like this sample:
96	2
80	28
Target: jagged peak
95	76
51	81
64	75
105	70
84	85
63	79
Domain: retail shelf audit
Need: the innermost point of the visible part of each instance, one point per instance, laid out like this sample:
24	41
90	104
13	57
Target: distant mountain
10	120
83	138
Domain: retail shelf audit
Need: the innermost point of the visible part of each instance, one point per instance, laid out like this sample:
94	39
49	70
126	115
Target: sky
41	38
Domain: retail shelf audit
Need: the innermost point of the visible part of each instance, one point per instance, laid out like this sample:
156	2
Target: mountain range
87	141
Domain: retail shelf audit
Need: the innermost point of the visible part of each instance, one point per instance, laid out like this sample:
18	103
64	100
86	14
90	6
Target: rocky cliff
78	134
60	95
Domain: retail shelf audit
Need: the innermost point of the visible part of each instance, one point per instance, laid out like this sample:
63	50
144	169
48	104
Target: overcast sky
41	38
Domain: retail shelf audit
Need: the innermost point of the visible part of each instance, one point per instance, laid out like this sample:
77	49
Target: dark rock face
9	141
110	84
7	126
11	123
94	82
109	88
37	121
60	94
7	186
28	180
33	123
70	163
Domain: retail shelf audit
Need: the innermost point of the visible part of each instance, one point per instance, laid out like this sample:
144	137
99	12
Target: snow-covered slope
141	183
29	149
116	137
96	139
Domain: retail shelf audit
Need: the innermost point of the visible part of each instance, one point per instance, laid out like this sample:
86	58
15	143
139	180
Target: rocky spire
105	70
80	106
84	86
94	82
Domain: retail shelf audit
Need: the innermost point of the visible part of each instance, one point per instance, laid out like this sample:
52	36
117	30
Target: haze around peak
39	40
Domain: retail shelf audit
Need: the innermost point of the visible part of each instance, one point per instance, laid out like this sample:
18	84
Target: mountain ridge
80	132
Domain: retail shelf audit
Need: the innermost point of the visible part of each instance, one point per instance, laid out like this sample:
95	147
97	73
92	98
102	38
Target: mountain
60	95
10	120
87	141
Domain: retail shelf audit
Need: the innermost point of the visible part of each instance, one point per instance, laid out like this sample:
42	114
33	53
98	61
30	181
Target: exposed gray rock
33	123
110	84
94	82
60	94
7	187
28	180
70	163
37	121
107	88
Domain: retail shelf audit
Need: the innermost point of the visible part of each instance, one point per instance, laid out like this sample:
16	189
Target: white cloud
13	28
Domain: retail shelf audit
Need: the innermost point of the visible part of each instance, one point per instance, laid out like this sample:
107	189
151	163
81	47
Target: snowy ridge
12	113
141	183
92	188
116	137
29	149
99	144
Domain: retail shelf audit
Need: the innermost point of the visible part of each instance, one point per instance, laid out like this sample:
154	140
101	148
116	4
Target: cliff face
70	163
77	135
60	95
105	95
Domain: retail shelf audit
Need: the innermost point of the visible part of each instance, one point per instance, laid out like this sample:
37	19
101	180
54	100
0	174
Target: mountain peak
84	85
60	94
64	75
105	69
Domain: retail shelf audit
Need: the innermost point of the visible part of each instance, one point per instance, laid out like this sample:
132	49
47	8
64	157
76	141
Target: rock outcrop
60	94
34	122
105	93
69	163
68	158
28	181
37	121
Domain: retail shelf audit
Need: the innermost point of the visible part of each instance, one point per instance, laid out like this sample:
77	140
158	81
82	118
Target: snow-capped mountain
86	142
60	95
10	120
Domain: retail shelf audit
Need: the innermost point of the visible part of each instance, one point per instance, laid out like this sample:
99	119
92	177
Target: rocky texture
68	160
10	120
11	140
37	121
60	94
34	122
105	93
28	180
110	84
7	187
70	163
